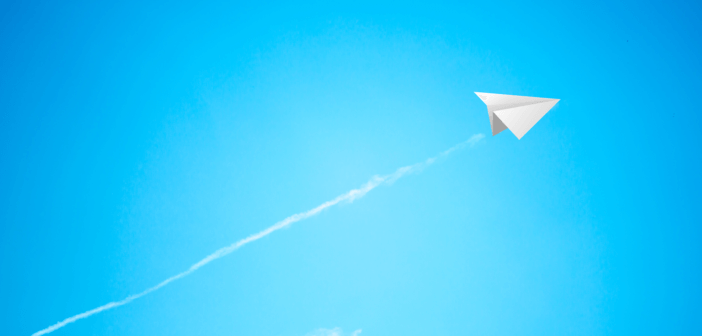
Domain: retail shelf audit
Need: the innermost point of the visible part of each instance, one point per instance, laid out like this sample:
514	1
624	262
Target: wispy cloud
350	196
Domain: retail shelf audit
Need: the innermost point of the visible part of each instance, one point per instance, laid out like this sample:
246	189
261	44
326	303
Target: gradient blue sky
135	139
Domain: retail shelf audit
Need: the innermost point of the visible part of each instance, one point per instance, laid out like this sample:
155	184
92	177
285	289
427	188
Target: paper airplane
518	113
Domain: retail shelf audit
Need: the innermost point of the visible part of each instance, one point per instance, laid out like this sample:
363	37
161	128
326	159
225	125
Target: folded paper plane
518	113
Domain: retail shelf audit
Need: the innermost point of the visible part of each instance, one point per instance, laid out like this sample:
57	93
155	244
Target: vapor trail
349	196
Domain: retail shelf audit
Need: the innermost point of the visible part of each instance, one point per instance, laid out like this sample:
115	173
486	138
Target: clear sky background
135	139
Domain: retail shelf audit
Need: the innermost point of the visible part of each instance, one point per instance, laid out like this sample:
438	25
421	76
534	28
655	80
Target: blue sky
136	139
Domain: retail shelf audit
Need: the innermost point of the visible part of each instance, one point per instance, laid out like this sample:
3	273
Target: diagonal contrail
349	196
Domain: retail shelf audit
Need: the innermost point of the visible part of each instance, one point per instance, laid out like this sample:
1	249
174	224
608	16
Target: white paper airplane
518	113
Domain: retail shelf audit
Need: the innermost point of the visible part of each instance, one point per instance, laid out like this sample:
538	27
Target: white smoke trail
349	196
332	332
